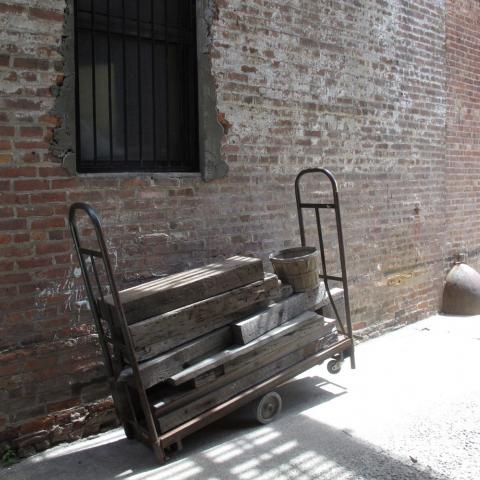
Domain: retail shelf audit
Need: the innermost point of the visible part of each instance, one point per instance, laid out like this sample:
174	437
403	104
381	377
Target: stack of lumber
205	335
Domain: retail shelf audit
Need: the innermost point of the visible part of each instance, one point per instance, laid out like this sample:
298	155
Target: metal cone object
461	295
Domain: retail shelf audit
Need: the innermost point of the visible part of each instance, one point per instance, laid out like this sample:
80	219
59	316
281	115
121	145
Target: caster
269	406
334	366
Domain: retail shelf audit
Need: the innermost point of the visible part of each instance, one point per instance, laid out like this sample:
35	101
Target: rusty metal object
461	295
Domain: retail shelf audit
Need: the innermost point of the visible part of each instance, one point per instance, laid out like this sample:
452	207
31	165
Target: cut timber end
276	314
163	332
175	291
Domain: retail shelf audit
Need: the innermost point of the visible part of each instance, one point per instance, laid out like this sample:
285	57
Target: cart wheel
269	406
129	431
334	366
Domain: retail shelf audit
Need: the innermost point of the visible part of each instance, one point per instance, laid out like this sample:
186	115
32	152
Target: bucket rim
304	252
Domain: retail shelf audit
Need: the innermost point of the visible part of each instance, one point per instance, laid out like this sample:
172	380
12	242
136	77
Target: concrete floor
411	410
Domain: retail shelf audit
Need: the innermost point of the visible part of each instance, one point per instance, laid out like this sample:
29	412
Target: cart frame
345	327
131	402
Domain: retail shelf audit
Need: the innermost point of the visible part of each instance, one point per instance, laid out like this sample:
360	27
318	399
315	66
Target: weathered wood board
169	398
276	314
170	420
277	348
162	367
163	332
230	353
175	291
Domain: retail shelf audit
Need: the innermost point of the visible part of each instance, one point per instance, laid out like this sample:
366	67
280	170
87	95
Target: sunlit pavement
411	410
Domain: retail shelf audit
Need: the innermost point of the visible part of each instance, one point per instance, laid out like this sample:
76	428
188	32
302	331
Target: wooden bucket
297	266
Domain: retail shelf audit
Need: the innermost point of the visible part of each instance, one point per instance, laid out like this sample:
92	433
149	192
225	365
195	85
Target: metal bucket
297	266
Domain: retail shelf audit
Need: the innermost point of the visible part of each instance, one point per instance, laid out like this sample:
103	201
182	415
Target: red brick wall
462	170
357	88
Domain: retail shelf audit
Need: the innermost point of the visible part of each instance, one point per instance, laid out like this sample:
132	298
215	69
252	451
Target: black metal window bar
136	86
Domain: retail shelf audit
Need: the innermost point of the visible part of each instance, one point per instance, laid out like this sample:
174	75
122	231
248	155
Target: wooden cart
137	400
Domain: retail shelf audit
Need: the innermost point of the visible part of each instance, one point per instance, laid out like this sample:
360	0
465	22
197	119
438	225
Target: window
136	86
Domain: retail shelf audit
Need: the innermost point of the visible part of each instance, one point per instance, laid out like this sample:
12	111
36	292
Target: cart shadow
233	448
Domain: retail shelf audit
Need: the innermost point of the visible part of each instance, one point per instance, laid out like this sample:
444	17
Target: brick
53	247
15	278
44	14
5	145
15	172
52	120
5	239
30	185
22	104
6	8
30	63
13	224
7	131
31	145
52	222
31	131
48	197
34	211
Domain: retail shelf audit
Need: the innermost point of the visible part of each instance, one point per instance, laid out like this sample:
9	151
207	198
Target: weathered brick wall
357	87
462	170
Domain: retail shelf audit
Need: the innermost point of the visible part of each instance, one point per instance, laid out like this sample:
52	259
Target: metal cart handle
341	248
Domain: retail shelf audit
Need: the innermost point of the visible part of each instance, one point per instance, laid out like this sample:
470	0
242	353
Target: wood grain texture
169	398
175	291
276	314
272	350
233	352
160	368
168	421
163	332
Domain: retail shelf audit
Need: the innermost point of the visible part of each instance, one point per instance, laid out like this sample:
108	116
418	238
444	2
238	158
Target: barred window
136	86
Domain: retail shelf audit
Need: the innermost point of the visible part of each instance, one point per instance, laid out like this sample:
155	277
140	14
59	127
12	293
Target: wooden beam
160	368
277	348
244	397
276	314
229	354
177	417
175	291
164	332
170	398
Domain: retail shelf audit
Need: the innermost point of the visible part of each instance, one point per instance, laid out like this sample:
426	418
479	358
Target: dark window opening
136	74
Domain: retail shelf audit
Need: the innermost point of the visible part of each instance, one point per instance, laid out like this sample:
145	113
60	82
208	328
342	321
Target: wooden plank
164	332
276	314
233	352
175	291
160	368
272	350
169	398
244	397
171	420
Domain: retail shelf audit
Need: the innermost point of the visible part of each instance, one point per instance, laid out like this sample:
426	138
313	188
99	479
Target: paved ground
410	411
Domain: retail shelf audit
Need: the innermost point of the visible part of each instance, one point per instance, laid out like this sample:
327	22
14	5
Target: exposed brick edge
68	425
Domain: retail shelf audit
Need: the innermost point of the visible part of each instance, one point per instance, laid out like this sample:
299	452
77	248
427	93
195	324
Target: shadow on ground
293	447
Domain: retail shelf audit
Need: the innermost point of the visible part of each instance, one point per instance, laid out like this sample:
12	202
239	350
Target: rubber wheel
269	406
334	367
